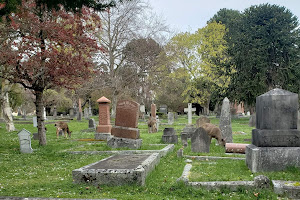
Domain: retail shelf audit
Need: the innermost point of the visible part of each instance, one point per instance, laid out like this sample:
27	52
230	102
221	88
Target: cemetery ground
47	172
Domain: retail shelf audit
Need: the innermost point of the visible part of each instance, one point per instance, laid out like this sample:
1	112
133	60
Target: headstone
157	123
276	140
248	113
92	123
25	141
126	123
90	109
252	120
153	110
200	141
225	121
71	112
180	153
79	114
163	109
142	109
169	136
104	128
170	118
86	113
184	139
202	120
34	120
189	130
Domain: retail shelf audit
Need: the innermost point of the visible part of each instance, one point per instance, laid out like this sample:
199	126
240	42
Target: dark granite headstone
200	141
170	136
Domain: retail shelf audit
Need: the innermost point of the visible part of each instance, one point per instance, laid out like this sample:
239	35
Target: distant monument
103	131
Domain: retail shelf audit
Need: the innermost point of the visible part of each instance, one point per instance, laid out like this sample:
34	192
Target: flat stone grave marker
118	170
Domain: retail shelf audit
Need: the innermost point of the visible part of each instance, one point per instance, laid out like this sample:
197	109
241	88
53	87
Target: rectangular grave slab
117	170
289	188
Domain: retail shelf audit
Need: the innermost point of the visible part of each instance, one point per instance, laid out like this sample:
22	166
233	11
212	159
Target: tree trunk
40	119
7	114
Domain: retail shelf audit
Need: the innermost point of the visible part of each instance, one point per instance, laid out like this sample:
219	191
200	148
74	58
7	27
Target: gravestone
184	139
157	123
71	112
54	112
44	114
92	124
252	120
153	114
169	136
103	131
79	114
225	121
202	120
276	140
34	120
170	118
163	109
126	123
86	113
25	141
200	141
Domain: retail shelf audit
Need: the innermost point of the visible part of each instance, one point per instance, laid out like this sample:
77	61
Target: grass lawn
47	172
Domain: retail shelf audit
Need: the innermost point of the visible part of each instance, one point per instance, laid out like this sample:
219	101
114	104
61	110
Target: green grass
47	172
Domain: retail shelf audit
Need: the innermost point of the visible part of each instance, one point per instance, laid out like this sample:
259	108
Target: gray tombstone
71	112
92	124
276	140
184	139
169	136
225	121
25	141
252	120
170	118
54	112
200	141
86	113
34	120
189	113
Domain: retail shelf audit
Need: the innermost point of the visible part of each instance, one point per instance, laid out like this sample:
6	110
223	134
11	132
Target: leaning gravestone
125	131
225	121
200	141
169	136
202	120
25	141
276	140
170	118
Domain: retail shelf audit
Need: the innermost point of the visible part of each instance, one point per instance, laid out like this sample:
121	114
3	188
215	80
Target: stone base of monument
189	130
103	136
116	142
260	159
120	131
170	139
289	189
118	170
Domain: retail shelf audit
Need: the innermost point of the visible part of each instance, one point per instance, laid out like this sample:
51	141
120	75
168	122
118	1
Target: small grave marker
25	141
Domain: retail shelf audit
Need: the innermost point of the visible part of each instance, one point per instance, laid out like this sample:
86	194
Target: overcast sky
189	15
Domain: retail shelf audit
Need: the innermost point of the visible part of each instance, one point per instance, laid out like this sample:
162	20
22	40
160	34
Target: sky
190	15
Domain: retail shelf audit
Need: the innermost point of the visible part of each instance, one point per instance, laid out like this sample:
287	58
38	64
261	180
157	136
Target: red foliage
41	49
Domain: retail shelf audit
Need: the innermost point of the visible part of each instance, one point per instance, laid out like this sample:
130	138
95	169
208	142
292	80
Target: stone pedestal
103	136
260	159
125	132
104	116
116	142
275	141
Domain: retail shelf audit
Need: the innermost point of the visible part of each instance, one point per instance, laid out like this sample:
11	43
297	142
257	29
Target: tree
266	52
42	49
121	24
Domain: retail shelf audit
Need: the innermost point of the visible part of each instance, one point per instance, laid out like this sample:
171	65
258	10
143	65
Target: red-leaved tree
44	48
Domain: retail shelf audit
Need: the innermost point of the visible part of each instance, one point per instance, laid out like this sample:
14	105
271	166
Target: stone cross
25	141
190	113
200	141
126	123
225	121
104	116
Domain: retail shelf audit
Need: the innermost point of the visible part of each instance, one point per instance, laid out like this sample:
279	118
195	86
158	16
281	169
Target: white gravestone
142	109
189	113
25	141
44	114
34	120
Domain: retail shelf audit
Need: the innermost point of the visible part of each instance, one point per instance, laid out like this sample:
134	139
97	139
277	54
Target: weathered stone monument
25	141
92	124
153	110
79	114
252	120
225	121
71	112
276	140
163	109
202	120
154	117
169	136
170	118
200	141
103	131
125	131
190	114
86	113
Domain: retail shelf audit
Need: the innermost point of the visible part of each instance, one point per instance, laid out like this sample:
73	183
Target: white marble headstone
25	141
